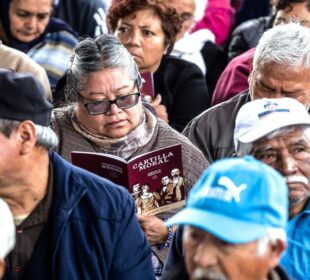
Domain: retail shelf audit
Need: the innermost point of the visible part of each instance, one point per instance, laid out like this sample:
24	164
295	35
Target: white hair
246	148
45	136
270	238
286	44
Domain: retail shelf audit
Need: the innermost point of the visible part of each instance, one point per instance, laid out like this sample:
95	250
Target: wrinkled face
109	84
290	155
29	18
186	10
274	81
298	12
208	257
142	34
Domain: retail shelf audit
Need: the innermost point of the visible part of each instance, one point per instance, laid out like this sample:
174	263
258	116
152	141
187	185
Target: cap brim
223	227
264	130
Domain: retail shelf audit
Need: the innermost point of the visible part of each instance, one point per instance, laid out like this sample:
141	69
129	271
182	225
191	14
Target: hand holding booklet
154	179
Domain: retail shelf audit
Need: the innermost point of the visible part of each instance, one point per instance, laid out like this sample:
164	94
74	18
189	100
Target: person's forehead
34	6
296	11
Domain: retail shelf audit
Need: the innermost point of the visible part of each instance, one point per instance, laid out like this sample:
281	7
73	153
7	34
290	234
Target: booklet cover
154	179
147	89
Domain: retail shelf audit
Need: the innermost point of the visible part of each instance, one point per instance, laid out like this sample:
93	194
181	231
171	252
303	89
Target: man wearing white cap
7	234
277	132
234	221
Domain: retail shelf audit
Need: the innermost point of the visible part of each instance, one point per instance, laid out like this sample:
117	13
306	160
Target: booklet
154	179
147	89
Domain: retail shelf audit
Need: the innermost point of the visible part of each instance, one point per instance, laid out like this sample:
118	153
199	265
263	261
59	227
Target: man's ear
276	251
2	268
26	136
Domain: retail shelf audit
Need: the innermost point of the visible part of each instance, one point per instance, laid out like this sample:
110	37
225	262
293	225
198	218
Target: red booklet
147	89
154	179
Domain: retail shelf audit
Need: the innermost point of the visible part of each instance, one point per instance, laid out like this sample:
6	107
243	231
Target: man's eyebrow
300	142
262	149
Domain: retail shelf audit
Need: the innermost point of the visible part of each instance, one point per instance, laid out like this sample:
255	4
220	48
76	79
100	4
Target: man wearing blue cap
70	224
235	221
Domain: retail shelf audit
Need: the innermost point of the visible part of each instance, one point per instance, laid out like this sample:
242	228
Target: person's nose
134	38
31	23
114	109
287	165
205	255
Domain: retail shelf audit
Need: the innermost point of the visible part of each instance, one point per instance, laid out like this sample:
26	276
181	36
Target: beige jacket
20	62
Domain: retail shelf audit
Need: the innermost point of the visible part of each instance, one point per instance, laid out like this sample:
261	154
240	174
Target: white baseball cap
7	230
260	117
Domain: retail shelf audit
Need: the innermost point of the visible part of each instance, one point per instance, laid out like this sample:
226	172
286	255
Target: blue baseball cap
236	199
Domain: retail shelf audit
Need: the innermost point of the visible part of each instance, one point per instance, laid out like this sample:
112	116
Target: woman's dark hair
283	4
170	21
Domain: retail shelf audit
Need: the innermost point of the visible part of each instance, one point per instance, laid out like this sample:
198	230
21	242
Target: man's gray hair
45	136
246	148
286	44
93	55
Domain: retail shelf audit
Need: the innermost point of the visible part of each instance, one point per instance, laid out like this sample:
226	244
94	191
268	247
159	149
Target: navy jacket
92	231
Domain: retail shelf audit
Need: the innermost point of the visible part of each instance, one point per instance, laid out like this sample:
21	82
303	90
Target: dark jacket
183	88
87	17
213	130
92	231
247	35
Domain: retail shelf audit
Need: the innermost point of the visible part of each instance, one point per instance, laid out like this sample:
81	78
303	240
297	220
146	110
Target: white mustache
296	179
207	273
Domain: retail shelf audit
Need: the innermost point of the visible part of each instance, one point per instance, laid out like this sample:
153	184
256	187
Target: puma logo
229	184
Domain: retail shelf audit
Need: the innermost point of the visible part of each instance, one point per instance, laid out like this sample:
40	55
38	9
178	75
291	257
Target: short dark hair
283	4
170	20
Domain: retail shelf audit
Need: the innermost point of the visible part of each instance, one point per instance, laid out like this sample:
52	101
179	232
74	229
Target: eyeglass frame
137	94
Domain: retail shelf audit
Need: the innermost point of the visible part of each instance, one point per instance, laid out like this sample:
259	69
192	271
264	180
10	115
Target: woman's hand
154	228
160	109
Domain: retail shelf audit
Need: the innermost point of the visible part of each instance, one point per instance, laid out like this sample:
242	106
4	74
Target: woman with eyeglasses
148	29
106	114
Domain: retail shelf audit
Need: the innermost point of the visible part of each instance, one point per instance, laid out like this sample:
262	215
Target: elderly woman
148	29
27	25
108	116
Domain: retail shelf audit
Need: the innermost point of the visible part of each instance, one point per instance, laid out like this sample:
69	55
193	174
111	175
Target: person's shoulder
62	112
224	109
61	116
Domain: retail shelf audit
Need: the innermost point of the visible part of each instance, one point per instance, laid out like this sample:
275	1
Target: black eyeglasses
103	106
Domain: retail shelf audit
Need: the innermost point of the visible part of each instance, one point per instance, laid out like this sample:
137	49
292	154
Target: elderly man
277	132
235	222
70	223
7	234
281	68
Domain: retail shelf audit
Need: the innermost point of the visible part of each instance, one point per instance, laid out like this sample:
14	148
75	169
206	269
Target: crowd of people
230	88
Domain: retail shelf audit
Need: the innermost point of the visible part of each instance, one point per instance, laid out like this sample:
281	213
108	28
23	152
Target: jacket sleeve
132	258
175	254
